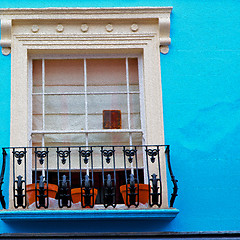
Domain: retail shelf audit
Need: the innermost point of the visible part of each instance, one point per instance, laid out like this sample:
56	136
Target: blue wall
201	83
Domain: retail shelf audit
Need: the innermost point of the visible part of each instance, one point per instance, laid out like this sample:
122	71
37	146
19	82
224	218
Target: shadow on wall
212	126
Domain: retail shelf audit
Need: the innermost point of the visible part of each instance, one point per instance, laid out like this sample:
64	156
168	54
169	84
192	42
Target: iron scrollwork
2	200
42	196
152	153
109	192
19	189
86	154
108	154
173	179
63	155
19	155
63	193
41	155
155	194
130	153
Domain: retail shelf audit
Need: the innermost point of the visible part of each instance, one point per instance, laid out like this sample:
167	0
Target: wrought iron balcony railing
87	175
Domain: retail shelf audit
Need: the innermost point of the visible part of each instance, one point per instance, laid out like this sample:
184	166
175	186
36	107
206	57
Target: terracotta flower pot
76	195
143	193
31	196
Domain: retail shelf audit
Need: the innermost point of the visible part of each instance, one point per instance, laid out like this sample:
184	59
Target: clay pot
76	195
143	193
31	196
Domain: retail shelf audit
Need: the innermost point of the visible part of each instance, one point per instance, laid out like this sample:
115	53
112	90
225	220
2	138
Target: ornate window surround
140	30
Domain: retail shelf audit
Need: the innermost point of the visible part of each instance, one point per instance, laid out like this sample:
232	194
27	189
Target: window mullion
43	111
86	107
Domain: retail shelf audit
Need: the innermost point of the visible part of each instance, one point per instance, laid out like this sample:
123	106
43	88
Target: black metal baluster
64	185
88	184
126	178
2	200
137	177
149	183
174	181
109	189
80	175
155	188
131	194
36	177
41	192
92	180
58	176
46	178
19	181
70	180
158	201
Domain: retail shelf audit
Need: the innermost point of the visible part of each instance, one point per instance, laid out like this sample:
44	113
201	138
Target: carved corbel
165	40
5	42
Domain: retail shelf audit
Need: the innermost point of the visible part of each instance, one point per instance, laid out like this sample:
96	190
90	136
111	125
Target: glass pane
105	73
98	103
64	122
100	139
37	112
37	76
135	111
133	74
64	104
63	72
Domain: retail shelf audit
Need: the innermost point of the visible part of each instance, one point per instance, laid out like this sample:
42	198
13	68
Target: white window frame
128	130
141	30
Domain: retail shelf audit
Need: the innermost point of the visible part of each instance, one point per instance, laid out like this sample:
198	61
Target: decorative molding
129	18
109	28
59	28
35	28
84	27
164	29
134	27
73	215
6	32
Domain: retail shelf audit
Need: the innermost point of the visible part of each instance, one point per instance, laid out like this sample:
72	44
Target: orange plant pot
31	196
76	195
143	193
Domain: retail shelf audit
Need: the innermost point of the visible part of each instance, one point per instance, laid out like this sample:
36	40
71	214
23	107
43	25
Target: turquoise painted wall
200	77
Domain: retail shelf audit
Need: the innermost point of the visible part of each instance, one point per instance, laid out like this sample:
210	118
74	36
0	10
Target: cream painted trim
161	14
78	31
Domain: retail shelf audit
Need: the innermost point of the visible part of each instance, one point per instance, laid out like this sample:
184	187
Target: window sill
143	214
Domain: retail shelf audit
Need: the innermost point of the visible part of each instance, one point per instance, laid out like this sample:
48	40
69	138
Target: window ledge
143	214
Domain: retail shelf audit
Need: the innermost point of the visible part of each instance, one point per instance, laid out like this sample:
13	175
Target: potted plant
76	195
143	193
31	195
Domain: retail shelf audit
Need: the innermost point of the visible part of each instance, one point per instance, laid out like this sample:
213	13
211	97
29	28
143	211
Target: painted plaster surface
201	101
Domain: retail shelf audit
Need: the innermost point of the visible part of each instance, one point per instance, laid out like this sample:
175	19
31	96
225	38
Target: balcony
88	177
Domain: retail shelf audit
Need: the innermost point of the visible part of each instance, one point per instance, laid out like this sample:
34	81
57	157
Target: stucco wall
200	78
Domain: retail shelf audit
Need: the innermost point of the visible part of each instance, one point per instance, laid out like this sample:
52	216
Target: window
125	40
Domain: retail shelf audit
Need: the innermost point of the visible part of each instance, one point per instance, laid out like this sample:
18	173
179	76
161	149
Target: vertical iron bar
14	191
80	165
137	176
160	179
126	179
174	181
47	178
149	183
115	182
58	176
103	180
92	194
70	178
2	177
25	173
36	176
